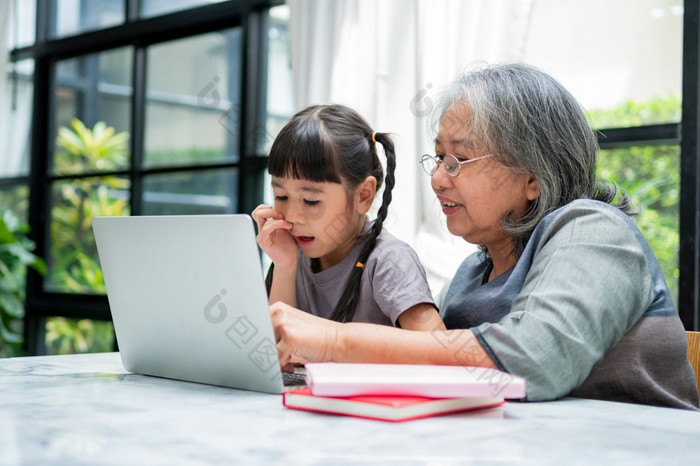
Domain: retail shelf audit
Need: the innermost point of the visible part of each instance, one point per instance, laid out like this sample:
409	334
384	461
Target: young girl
328	258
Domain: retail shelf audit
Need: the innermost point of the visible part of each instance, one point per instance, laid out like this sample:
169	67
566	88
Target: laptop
188	299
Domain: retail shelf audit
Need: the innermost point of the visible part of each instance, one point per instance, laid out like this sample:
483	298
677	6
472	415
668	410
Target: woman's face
479	197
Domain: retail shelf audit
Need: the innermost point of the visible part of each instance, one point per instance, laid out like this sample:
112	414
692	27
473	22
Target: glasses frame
438	162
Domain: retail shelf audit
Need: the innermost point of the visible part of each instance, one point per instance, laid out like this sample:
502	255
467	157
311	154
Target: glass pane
71	336
16	103
192	111
280	106
610	54
651	177
159	7
74	266
202	192
75	16
93	112
16	199
21	21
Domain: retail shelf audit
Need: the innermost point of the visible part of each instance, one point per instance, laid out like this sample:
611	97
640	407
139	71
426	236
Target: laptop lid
188	299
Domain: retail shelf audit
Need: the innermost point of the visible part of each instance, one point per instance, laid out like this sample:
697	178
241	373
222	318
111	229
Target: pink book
351	379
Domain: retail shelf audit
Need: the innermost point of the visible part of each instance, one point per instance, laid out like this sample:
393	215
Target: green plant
66	336
15	256
656	109
74	266
100	148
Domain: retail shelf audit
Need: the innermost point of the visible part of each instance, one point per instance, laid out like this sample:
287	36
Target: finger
265	233
261	214
276	310
289	367
265	211
284	356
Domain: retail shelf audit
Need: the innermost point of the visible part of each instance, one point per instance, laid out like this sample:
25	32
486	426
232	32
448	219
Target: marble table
86	409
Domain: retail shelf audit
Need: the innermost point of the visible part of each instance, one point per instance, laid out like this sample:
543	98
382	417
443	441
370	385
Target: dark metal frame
690	176
139	34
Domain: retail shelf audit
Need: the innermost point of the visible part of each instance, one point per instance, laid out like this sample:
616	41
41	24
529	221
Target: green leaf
8	336
25	256
6	236
11	305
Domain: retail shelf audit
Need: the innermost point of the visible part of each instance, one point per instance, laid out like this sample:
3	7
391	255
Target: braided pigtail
268	278
345	309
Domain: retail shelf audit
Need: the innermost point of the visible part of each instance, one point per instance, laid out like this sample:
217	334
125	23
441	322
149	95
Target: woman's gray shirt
585	312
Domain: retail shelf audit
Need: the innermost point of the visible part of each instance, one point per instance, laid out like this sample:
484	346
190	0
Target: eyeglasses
452	164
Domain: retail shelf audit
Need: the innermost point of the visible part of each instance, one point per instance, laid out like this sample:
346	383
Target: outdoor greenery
68	336
170	157
15	256
74	265
81	149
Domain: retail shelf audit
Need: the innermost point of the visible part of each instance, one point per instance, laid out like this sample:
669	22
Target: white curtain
15	105
386	59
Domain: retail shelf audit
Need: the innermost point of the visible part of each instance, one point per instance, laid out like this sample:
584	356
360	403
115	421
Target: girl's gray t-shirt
393	281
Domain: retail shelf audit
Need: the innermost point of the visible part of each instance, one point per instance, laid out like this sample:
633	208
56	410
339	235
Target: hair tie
374	139
359	265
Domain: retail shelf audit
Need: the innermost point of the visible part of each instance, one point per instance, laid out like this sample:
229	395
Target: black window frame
138	33
689	130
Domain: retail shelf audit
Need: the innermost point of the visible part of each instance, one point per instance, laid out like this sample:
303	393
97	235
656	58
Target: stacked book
400	392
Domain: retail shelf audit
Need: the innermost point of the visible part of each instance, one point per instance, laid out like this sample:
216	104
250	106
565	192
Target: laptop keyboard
293	378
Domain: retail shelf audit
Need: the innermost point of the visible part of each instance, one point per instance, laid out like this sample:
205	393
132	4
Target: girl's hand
301	335
274	237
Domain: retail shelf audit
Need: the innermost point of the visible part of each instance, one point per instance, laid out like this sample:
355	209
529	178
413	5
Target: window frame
689	229
250	15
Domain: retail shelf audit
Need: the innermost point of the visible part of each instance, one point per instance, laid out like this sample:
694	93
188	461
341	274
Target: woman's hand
274	237
302	335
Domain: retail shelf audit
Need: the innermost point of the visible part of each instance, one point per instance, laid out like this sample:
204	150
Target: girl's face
326	220
479	197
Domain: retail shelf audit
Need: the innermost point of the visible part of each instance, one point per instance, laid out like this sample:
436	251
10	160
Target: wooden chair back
694	354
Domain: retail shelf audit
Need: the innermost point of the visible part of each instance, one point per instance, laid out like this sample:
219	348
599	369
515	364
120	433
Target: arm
284	285
421	317
587	285
400	287
274	238
317	339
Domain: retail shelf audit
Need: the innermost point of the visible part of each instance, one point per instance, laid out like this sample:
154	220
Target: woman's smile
449	207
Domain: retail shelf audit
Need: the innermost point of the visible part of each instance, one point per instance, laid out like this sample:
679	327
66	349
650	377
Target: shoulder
585	208
587	219
392	257
390	244
593	235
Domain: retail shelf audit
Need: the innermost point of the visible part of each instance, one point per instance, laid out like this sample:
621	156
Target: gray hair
534	126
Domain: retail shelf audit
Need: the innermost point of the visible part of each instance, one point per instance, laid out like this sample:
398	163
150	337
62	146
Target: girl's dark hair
333	143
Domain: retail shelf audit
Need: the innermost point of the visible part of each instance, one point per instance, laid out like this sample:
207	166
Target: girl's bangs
303	156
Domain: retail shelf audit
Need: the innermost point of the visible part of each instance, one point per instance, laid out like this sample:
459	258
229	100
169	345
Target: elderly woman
565	290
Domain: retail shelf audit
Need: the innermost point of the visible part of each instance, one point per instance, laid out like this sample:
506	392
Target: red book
384	407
